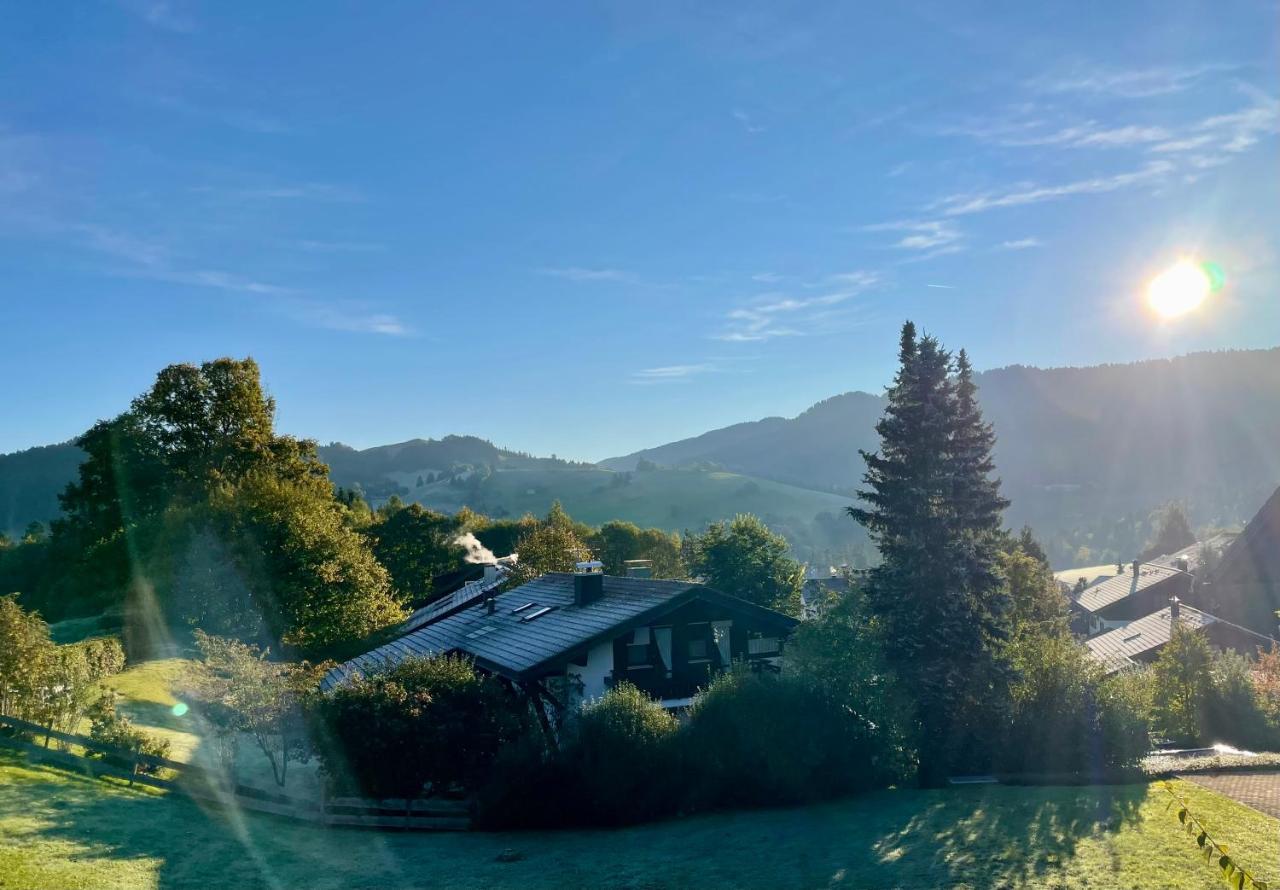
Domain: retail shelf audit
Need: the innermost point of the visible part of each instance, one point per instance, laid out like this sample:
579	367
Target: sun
1179	289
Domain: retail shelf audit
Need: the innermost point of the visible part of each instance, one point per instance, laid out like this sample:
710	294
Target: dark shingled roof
1112	590
1254	557
509	644
1116	648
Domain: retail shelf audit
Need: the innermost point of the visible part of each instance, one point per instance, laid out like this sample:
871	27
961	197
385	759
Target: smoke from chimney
476	552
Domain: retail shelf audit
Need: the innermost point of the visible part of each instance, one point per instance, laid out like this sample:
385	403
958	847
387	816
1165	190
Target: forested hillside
1086	455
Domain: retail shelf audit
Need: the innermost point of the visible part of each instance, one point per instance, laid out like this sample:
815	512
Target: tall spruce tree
938	598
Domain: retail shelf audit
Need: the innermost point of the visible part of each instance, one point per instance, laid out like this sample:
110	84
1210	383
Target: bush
427	721
110	728
761	738
624	746
1066	717
618	763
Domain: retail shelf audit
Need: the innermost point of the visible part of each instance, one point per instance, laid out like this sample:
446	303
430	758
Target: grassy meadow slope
58	829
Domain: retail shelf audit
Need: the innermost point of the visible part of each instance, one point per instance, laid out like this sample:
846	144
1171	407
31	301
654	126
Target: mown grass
61	830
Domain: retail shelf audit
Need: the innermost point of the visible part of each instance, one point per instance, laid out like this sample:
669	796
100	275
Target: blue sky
584	229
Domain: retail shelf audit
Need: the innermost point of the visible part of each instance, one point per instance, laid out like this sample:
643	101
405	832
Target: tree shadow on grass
994	836
982	837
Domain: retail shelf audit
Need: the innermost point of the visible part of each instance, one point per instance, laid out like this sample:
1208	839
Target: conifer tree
937	596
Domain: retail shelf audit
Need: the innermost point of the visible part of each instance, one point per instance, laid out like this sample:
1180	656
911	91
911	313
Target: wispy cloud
942	286
766	277
1242	129
960	205
1134	83
1020	244
163	14
340	318
306	191
773	315
920	234
748	124
339	246
581	273
671	373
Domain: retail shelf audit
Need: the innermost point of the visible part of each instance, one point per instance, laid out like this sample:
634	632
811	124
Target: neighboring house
1245	585
490	578
1139	590
1140	641
565	638
816	593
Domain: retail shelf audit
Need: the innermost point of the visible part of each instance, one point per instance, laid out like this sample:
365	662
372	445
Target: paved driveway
1258	790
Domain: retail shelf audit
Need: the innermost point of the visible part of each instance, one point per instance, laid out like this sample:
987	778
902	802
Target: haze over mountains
1085	455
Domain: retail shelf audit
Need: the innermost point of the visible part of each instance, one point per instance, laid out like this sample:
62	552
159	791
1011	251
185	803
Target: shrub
618	763
110	728
1065	716
760	738
624	746
427	721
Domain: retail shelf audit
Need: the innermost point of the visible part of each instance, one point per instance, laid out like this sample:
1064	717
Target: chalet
566	638
1245	585
1140	590
1140	641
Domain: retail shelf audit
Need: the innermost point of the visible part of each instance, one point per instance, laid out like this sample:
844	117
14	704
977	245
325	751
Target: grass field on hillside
58	830
663	498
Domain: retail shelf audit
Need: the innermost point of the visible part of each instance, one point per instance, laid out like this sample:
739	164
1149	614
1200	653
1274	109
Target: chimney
1182	564
1136	564
490	574
1175	608
588	582
490	603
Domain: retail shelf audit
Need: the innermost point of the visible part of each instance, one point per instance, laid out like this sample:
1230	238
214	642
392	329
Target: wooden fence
211	787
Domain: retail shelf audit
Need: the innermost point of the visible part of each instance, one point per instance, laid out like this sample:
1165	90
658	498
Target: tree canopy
744	558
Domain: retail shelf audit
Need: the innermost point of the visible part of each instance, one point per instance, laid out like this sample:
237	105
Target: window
698	648
533	616
637	655
518	609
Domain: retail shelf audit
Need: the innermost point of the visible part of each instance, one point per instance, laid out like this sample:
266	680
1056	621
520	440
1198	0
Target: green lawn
58	830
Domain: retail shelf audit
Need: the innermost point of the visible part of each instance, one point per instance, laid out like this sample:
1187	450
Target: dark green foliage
416	545
744	558
1066	717
1183	685
192	511
934	512
624	748
618	762
765	739
616	542
427	721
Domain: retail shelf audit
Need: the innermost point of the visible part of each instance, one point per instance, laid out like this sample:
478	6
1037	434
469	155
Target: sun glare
1179	289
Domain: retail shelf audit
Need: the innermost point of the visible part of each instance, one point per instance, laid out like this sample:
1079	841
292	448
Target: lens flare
1181	288
180	709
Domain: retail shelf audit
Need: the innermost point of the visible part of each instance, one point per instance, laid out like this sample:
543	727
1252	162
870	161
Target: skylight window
535	615
518	609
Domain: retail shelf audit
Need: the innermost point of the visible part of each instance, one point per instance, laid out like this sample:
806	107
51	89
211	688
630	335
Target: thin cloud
748	124
1140	83
580	273
920	234
942	286
775	315
161	14
1020	244
336	318
307	191
671	373
961	205
766	277
339	246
